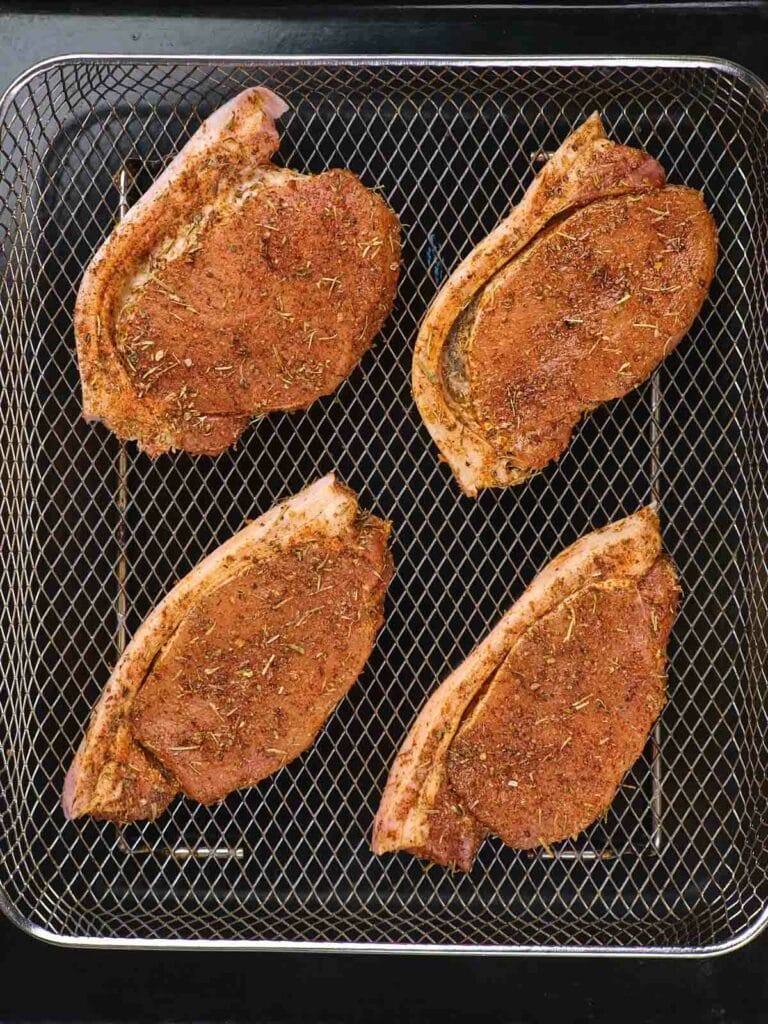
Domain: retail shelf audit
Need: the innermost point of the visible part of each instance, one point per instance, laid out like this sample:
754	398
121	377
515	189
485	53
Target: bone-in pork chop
233	288
530	737
574	299
238	668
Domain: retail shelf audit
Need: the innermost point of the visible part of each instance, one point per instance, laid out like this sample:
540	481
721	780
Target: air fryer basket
94	533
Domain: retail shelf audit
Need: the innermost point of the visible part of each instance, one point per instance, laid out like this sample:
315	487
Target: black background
40	982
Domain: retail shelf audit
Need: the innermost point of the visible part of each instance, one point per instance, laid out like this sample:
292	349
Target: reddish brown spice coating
568	712
273	305
255	669
584	316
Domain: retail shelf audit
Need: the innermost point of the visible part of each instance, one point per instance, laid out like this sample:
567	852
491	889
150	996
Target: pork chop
530	737
238	668
233	288
574	299
567	712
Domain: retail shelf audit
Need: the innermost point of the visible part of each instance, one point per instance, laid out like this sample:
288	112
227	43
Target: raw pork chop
238	668
530	737
233	288
574	299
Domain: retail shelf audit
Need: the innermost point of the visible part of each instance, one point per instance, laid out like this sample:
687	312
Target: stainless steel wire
95	533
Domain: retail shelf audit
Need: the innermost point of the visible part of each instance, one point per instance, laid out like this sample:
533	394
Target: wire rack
95	534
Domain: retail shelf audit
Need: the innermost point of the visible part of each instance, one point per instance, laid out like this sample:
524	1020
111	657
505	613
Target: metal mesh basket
95	534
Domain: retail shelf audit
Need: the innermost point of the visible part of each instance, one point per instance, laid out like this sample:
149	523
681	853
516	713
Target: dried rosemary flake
571	625
650	327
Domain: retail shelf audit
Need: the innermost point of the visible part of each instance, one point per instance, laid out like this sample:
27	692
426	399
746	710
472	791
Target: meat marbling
574	299
237	669
530	737
232	288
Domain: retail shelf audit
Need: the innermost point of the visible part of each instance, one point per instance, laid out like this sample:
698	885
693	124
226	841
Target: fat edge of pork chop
114	777
233	288
419	811
587	169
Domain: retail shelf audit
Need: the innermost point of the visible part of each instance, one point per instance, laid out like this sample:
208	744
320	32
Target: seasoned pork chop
233	288
229	703
238	668
592	279
530	737
567	712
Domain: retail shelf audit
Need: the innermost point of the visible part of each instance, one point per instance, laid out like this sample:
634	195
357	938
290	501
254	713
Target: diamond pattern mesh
95	533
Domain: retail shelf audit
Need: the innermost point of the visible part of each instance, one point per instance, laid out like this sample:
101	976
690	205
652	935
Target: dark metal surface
45	984
31	32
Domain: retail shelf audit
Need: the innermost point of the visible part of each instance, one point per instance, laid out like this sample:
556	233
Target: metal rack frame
96	533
